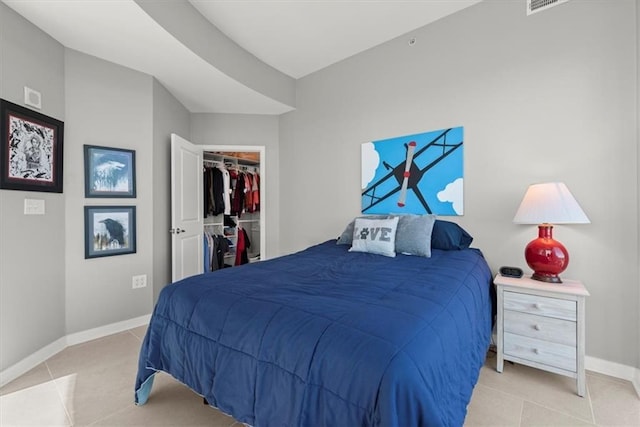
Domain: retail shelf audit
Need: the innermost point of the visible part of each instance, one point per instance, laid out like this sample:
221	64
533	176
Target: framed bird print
109	230
31	149
109	172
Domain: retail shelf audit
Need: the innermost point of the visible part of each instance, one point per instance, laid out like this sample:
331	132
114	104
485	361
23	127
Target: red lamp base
546	257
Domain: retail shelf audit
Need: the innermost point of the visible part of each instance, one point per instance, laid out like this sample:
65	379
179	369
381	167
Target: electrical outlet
139	281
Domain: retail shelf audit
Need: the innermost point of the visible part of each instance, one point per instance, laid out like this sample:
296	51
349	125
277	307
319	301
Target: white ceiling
296	37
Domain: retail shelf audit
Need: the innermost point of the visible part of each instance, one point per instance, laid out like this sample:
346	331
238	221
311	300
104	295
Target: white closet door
186	209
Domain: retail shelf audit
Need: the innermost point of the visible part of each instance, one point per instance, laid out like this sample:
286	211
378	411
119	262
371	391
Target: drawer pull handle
537	305
537	327
536	351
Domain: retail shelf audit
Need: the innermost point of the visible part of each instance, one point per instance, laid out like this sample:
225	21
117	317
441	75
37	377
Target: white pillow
347	235
375	236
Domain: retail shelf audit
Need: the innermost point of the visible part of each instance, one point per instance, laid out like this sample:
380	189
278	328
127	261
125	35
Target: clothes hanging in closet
226	190
245	192
255	192
237	199
215	248
213	185
242	245
230	191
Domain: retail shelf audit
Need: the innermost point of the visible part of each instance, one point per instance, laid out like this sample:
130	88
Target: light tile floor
92	384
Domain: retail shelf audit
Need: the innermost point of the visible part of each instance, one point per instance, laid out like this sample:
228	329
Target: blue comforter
327	337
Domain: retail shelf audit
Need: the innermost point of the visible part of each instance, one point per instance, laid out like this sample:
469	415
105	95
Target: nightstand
542	325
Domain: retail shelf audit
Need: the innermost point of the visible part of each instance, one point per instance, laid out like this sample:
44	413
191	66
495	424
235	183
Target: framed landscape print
109	230
109	172
31	149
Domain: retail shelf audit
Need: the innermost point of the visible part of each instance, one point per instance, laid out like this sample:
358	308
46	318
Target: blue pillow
447	235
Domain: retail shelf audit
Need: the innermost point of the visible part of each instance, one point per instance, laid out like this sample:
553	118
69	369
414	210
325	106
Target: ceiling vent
534	6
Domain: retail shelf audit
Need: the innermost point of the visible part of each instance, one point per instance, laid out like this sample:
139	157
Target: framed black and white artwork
31	149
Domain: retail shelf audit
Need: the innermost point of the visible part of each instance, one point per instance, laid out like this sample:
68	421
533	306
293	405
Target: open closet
231	194
195	217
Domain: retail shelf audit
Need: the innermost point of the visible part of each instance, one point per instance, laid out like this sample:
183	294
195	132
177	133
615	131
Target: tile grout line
59	393
135	336
108	416
521	412
588	392
523	399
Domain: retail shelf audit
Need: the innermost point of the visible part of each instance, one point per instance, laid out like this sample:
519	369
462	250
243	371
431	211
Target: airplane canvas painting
414	174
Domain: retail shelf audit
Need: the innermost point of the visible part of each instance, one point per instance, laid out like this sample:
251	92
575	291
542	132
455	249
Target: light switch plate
33	207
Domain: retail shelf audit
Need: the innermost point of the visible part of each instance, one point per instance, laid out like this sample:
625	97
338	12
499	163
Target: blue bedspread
327	337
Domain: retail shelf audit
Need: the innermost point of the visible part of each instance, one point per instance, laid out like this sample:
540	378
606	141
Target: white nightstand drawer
543	306
540	327
547	353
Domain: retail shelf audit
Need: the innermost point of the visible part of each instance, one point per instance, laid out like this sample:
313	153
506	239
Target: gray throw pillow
413	236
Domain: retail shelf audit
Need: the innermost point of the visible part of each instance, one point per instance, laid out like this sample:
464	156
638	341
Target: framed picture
109	230
418	174
31	149
109	172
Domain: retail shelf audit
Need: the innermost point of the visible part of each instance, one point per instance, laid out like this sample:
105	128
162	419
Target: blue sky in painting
447	172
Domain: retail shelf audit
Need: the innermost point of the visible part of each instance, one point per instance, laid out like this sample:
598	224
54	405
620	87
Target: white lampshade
550	203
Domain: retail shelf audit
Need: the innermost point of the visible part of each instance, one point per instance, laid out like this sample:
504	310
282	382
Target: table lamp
547	204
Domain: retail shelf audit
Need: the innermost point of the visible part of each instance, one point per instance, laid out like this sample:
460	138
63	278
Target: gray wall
169	116
249	129
638	172
107	105
32	268
555	93
47	288
546	97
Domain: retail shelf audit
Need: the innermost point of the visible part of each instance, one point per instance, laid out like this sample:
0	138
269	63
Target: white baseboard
613	369
33	360
103	331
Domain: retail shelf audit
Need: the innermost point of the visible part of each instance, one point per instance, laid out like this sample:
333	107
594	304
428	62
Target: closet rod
211	162
225	158
241	167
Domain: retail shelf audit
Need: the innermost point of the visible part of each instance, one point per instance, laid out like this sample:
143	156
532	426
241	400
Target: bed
328	337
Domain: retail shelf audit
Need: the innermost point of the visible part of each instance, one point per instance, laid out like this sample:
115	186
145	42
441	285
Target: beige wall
546	97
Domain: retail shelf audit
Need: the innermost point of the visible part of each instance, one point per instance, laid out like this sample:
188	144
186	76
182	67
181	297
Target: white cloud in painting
453	193
370	162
